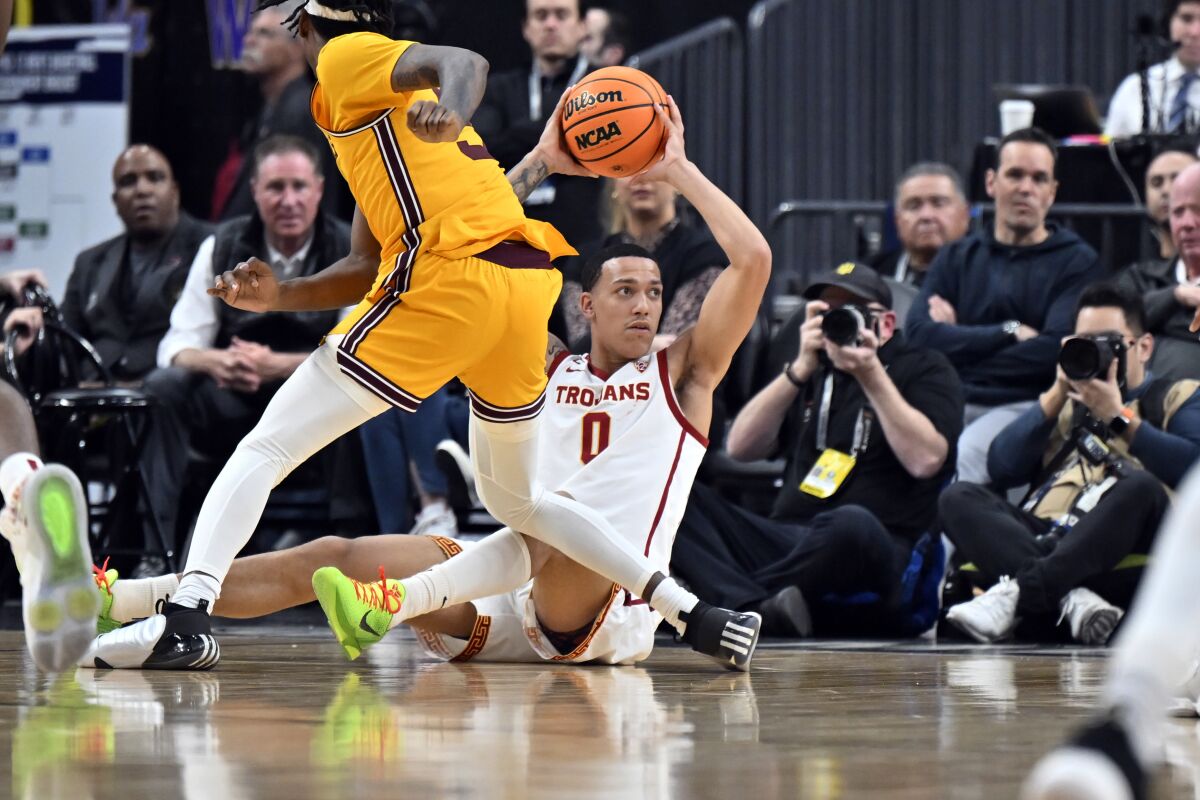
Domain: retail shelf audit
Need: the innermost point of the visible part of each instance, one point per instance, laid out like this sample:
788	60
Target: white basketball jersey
621	445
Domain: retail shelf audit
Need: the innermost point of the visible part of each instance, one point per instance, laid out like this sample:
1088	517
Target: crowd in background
985	389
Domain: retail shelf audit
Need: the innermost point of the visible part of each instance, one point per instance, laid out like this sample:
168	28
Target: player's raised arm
731	305
548	157
252	286
460	74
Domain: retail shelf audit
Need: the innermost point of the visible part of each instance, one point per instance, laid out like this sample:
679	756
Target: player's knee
511	508
329	551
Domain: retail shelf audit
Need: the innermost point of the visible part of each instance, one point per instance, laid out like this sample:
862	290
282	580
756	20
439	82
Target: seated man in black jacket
868	429
1171	288
518	102
998	302
219	367
120	292
1098	453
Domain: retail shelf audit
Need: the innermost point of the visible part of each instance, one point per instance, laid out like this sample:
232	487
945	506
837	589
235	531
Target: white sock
137	599
1153	654
197	586
505	459
13	472
498	564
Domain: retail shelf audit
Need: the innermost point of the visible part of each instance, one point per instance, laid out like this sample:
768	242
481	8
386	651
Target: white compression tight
504	456
316	405
1161	637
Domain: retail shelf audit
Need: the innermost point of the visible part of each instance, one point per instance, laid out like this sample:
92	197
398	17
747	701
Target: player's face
144	192
1023	186
646	198
1185	29
625	306
929	213
553	28
1159	179
287	191
268	46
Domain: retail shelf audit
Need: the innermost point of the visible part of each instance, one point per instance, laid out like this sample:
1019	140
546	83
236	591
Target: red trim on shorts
583	646
662	501
673	403
479	636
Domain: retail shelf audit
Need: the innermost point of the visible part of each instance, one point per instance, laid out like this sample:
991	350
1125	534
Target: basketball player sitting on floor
625	433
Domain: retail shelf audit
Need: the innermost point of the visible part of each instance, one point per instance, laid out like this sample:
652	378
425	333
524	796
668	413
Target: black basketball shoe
178	638
1098	763
728	637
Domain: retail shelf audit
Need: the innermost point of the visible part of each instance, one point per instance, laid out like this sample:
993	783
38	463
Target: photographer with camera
1099	450
867	424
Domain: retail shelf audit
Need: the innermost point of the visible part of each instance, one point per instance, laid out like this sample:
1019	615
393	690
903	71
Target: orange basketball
609	121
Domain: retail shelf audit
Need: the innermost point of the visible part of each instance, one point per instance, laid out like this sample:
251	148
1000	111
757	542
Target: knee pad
512	508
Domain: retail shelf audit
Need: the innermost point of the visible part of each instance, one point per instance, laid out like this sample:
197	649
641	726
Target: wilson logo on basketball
602	134
586	100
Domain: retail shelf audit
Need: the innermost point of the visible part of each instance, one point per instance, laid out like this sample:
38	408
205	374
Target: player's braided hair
369	15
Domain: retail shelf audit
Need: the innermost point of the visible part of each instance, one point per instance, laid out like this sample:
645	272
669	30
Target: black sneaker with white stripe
177	638
728	637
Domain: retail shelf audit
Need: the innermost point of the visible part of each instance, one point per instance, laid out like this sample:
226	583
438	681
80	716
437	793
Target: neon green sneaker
106	579
358	613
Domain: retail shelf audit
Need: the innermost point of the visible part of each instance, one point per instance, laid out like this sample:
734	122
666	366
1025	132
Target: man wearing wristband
868	432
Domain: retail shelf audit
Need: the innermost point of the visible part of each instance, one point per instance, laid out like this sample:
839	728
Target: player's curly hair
369	15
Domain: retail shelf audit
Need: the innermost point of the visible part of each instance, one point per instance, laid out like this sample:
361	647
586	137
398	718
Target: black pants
736	559
192	413
1001	539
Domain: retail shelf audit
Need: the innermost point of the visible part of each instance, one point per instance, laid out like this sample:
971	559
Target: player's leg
45	521
314	406
507	393
1151	658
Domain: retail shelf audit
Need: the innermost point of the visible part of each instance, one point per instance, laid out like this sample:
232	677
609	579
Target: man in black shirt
880	419
517	104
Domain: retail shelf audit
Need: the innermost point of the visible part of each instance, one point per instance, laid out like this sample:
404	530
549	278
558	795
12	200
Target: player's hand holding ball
250	286
551	147
675	152
434	122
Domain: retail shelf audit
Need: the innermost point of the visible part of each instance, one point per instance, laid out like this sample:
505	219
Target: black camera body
1090	356
844	326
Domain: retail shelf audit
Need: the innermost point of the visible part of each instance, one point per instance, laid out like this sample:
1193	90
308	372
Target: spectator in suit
1160	177
517	104
120	293
1174	91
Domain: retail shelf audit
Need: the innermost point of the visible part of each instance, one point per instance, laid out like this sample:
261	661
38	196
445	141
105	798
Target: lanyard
902	267
535	85
862	425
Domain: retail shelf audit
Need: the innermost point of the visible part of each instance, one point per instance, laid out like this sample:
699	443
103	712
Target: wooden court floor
285	716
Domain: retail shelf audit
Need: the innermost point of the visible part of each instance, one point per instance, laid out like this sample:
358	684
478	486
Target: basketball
609	121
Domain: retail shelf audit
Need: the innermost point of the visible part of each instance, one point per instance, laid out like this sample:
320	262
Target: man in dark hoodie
999	302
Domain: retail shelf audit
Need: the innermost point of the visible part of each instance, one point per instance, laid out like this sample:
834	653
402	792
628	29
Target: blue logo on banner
35	155
228	21
8	138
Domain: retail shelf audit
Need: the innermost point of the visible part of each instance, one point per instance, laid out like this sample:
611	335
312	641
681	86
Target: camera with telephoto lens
1090	355
844	326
